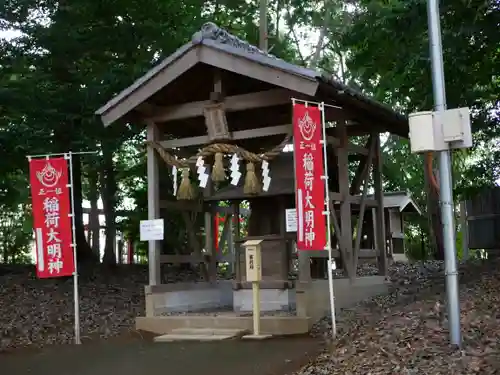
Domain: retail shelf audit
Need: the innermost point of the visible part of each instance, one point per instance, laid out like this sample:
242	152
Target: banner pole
61	154
295	100
328	246
69	156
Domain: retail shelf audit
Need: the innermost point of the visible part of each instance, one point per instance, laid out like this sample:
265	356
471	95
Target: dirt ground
142	356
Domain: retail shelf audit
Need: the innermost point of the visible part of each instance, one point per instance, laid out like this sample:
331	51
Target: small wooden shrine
397	205
218	115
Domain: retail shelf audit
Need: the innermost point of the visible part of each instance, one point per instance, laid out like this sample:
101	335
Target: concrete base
269	325
188	297
400	258
270	300
200	297
311	300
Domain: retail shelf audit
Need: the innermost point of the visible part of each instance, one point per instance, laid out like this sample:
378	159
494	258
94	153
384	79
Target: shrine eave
216	47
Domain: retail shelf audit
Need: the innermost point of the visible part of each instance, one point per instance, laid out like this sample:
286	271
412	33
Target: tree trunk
84	252
5	253
437	227
433	211
263	30
130	245
109	189
94	225
120	252
322	34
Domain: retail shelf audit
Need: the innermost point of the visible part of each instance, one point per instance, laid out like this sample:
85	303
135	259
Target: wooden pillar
345	204
380	217
237	246
285	252
230	240
209	245
374	238
389	231
225	238
303	283
304	266
209	231
216	95
154	247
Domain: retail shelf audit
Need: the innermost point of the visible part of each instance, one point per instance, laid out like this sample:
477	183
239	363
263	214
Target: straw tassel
252	184
186	191
218	172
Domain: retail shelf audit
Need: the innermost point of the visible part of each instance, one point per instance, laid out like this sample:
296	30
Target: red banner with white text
309	185
51	217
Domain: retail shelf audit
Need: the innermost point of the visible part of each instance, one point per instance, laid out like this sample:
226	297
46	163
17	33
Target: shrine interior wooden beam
237	135
352	148
254	133
182	205
360	129
198	207
261	99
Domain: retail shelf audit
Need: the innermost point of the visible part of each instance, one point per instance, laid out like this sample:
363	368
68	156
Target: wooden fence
481	214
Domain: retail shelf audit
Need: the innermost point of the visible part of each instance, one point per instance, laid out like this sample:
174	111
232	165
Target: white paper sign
151	230
291	219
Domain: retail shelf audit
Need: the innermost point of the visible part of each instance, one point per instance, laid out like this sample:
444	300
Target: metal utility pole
446	187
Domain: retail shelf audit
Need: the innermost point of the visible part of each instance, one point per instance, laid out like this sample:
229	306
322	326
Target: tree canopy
68	58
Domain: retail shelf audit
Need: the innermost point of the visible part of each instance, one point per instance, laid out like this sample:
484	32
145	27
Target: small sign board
253	265
291	219
151	230
253	260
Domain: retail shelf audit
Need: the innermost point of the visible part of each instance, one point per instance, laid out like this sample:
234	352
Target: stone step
209	331
174	337
200	334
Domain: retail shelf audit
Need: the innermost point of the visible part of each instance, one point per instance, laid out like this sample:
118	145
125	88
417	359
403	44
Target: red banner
51	217
309	185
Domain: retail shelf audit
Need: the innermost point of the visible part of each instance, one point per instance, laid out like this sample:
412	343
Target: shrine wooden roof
166	93
402	201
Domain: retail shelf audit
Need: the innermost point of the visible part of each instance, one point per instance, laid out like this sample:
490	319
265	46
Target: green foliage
68	60
71	57
16	232
417	246
390	60
16	237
